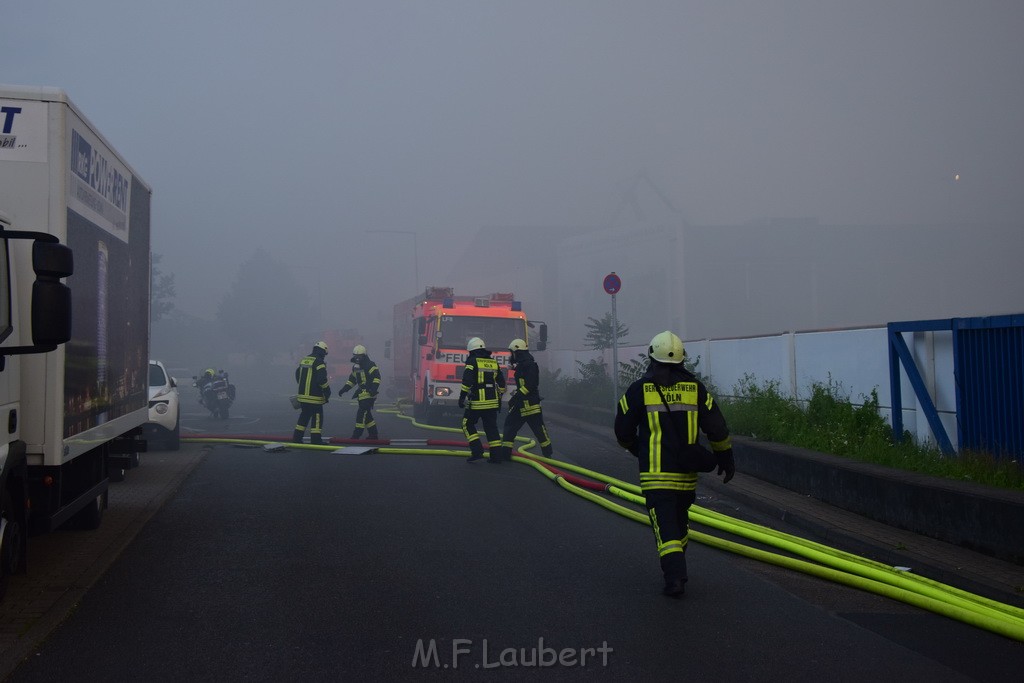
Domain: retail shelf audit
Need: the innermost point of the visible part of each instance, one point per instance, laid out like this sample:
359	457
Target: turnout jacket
527	396
311	376
483	382
366	379
659	419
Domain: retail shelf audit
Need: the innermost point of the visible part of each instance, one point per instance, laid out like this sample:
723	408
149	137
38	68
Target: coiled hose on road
818	560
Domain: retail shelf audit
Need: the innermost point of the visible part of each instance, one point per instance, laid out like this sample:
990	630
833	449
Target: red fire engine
430	336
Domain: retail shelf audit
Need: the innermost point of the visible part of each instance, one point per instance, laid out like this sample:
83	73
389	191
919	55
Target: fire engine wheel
11	543
419	410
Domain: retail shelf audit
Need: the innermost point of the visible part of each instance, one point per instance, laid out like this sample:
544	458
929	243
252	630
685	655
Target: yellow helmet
322	345
517	345
666	348
475	343
359	350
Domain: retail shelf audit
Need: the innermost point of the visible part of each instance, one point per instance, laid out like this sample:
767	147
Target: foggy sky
297	127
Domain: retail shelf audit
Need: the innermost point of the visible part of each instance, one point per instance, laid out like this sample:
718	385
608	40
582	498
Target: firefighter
365	378
658	420
483	383
524	405
313	393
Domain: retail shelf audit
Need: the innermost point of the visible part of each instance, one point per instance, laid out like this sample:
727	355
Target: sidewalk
934	559
63	565
938	560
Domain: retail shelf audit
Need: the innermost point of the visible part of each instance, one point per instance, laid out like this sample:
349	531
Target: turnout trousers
670	521
514	421
312	414
364	419
489	420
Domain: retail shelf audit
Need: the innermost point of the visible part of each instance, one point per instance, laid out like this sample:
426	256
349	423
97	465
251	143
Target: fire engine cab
430	336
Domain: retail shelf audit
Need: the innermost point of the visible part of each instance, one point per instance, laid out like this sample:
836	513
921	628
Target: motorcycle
216	394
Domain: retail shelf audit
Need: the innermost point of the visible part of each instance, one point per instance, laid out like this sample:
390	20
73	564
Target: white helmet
666	348
517	345
474	344
321	345
359	350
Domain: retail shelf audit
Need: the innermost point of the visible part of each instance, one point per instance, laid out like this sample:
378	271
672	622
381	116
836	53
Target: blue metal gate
988	366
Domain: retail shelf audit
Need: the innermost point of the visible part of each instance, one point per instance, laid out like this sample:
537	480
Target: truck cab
35	317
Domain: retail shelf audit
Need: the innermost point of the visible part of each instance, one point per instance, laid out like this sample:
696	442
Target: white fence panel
857	360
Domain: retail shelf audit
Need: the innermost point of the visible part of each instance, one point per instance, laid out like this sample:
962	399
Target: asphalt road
304	565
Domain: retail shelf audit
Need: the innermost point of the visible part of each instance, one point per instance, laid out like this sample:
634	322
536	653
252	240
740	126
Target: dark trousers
514	421
311	414
670	521
364	419
489	419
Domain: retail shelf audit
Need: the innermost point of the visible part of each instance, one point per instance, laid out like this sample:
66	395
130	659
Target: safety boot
675	588
372	433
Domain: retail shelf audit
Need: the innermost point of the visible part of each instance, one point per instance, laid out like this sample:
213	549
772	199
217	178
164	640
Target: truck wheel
12	542
174	440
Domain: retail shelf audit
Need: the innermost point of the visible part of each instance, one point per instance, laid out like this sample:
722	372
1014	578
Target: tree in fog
266	310
161	290
600	335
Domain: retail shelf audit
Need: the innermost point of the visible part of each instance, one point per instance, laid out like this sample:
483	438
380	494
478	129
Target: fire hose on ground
817	560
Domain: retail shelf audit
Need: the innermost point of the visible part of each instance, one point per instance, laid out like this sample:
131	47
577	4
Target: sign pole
615	354
612	284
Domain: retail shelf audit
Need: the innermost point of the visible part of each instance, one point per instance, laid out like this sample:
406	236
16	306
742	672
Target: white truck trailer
74	355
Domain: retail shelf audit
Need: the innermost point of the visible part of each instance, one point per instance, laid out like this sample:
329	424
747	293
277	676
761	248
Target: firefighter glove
462	401
341	392
726	464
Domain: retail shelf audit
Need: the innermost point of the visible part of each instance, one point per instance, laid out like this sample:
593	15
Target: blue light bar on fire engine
517	305
448	303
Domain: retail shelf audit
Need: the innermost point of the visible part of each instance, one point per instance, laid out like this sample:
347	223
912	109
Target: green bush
831	423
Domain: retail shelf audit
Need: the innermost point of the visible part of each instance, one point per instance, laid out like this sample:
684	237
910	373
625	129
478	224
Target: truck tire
420	411
13	540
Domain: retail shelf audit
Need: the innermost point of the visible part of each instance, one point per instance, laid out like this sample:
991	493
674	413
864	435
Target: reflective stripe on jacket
482	383
311	376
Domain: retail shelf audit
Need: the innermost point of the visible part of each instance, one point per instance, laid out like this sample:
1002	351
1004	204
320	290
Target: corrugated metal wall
989	370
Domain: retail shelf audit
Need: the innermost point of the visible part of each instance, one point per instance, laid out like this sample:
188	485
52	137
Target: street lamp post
415	251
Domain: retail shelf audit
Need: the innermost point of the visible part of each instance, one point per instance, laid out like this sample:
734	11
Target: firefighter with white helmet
365	379
524	405
483	383
658	420
314	392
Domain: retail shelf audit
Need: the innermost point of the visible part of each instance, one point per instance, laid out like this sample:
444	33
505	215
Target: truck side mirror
51	299
542	337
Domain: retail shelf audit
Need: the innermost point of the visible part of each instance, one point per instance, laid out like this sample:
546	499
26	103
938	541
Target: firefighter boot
297	436
675	588
500	454
476	451
357	433
371	433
